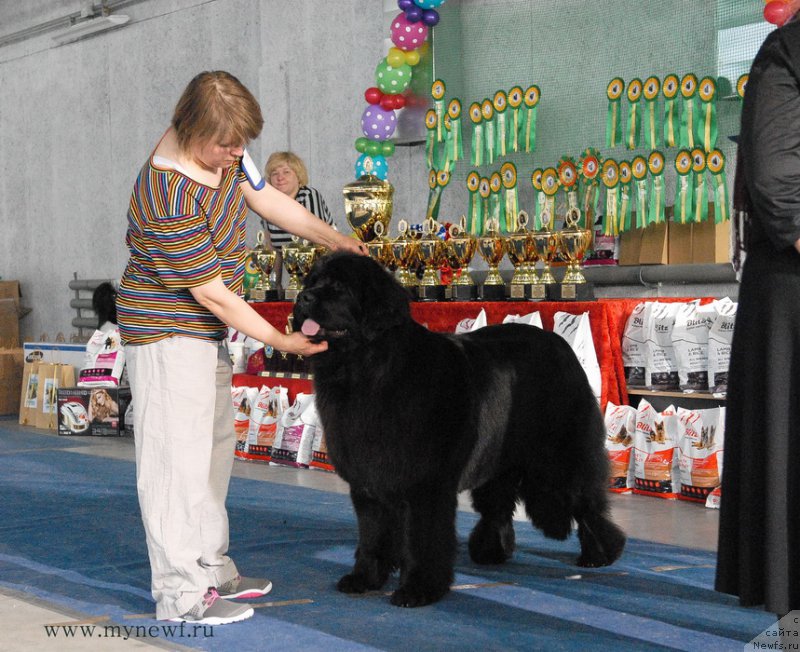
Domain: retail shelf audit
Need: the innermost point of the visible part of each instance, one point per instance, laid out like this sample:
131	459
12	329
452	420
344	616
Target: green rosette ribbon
715	163
446	161
487	111
508	175
485	191
741	85
497	207
614	115
706	126
610	177
652	134
625	204
475	210
634	114
700	190
550	186
476	149
527	133
669	89
430	139
438	89
589	169
639	171
433	195
684	195
500	104
688	114
657	202
538	198
568	179
515	96
454	142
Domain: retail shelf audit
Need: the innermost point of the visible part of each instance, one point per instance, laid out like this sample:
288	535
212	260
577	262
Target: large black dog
412	417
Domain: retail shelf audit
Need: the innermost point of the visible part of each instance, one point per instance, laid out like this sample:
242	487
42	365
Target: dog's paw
352	583
417	596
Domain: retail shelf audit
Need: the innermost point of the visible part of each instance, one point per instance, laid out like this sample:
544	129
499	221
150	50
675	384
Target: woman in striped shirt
287	172
180	292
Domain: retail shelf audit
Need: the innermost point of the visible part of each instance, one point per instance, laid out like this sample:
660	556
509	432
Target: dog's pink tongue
310	327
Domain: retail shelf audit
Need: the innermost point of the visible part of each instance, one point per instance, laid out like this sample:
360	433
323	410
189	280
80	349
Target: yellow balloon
395	58
412	57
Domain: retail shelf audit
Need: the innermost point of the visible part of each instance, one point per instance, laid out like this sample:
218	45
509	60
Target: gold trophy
492	247
264	260
432	251
367	202
291	262
461	248
545	242
522	254
405	250
573	242
380	249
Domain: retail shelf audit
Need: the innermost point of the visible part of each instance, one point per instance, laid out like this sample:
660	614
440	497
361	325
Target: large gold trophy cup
492	247
461	248
545	242
521	250
264	261
367	202
405	252
432	251
573	242
298	257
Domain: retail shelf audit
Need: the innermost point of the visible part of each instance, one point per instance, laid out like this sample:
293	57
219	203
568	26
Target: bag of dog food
270	406
104	363
319	451
244	398
295	434
701	435
620	427
633	346
578	332
531	319
656	470
690	342
661	366
720	338
714	498
467	325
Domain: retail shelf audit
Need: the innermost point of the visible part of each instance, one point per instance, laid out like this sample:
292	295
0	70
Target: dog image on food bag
412	417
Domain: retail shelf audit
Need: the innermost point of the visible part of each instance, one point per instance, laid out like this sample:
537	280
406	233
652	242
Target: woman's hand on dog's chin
299	343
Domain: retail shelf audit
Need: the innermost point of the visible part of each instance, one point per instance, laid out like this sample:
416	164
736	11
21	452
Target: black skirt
759	531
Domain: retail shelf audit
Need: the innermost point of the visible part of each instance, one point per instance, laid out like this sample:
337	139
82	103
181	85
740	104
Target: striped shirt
181	234
313	202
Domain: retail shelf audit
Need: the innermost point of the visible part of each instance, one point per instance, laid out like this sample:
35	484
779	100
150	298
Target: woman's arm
283	211
236	312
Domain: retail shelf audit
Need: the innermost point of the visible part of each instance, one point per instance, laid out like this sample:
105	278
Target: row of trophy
298	257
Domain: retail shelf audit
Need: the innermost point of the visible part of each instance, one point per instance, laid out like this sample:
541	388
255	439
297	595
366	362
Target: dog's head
349	299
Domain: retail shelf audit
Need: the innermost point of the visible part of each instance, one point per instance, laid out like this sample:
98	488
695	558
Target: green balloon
361	144
387	147
373	147
392	80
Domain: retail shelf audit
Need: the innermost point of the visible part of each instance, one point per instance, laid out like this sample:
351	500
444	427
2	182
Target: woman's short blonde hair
216	107
276	159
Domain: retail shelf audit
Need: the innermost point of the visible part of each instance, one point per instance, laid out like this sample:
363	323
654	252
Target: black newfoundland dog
412	417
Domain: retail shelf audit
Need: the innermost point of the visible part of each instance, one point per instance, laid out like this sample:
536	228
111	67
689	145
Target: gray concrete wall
77	121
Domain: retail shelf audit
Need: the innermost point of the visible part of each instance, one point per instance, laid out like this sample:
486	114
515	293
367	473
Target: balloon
429	4
376	165
373	148
387	147
430	17
407	35
361	144
778	12
399	101
411	57
414	14
387	102
377	123
373	95
392	80
405	5
396	57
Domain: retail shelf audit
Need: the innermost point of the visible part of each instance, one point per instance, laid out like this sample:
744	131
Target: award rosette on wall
657	202
528	127
651	131
684	190
611	217
715	163
700	189
639	171
614	116
688	117
669	89
544	239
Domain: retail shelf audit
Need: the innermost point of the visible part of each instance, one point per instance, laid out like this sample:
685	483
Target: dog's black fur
411	417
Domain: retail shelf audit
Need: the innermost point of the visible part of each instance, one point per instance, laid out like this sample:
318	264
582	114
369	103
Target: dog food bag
690	343
720	337
661	365
620	427
244	398
656	470
104	362
531	319
468	324
700	437
633	346
319	451
295	434
714	498
577	330
269	409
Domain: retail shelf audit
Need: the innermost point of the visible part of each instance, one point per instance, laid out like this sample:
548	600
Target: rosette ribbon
700	191
706	125
669	90
500	104
657	200
454	143
433	195
514	122
538	198
715	163
476	149
639	171
508	175
550	186
430	139
614	115
652	135
437	92
684	207
688	117
497	207
634	114
475	209
741	85
589	174
625	203
611	217
487	111
528	125
484	190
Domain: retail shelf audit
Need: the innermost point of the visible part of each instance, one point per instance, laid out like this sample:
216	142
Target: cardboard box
10	380
655	248
680	243
10	290
98	411
58	352
630	245
711	243
9	323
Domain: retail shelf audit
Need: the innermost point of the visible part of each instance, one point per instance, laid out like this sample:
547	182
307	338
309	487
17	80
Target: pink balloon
406	35
778	12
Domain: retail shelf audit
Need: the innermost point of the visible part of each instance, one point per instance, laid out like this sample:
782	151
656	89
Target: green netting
572	49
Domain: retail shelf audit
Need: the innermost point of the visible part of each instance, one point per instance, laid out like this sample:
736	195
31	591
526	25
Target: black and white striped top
313	202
